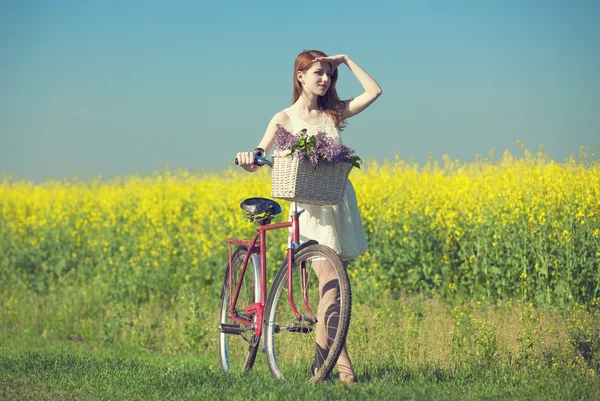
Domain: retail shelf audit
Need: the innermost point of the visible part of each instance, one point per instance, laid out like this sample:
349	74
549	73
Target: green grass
432	351
72	371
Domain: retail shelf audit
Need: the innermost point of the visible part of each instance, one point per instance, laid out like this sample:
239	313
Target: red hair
329	103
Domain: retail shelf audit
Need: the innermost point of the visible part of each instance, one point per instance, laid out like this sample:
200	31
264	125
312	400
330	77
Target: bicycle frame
257	308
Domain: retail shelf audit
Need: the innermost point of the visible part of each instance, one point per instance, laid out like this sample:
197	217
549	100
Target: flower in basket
318	148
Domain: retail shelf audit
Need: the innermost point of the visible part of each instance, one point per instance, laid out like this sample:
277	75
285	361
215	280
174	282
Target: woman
317	107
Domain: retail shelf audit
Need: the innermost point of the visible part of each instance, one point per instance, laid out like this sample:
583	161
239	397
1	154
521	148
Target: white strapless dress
337	226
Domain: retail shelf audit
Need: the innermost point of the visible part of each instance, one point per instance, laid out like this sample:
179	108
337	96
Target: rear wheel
238	344
307	349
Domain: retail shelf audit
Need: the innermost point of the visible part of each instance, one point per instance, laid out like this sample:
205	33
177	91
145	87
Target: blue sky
114	87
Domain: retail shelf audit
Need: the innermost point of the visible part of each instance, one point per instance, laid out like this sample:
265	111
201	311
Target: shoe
348	380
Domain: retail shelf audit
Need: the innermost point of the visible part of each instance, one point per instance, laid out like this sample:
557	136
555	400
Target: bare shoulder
282	118
279	119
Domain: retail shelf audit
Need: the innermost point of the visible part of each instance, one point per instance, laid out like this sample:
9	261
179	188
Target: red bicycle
306	315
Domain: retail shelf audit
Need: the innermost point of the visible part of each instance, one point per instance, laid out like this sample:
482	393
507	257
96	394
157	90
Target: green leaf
355	161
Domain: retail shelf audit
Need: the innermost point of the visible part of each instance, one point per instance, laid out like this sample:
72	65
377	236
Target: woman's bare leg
328	315
345	366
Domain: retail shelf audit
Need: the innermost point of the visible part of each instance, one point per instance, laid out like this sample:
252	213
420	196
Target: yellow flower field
526	227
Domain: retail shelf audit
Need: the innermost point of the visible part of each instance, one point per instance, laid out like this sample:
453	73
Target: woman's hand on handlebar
246	161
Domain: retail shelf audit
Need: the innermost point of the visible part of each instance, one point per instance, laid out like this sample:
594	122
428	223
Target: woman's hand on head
246	161
335	61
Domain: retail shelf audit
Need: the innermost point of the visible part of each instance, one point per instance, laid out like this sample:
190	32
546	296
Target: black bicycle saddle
260	205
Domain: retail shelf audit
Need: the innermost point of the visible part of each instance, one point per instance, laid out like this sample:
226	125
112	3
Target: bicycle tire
291	346
237	352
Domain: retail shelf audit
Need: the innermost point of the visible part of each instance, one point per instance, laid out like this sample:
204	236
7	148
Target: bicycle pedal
231	329
300	328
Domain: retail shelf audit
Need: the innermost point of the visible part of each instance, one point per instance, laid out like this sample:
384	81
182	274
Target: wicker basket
297	180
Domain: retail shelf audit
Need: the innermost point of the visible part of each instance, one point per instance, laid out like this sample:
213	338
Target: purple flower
316	148
284	139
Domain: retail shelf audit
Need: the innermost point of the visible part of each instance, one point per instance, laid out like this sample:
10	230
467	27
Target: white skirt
337	226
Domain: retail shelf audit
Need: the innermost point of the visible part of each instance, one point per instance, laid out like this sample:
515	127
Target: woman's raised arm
372	89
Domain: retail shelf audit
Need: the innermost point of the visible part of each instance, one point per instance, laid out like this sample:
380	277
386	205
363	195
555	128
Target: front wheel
237	342
308	347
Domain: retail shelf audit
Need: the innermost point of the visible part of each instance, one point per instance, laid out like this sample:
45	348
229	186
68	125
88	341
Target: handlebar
259	158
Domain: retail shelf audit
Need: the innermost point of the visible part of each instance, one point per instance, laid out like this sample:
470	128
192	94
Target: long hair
329	103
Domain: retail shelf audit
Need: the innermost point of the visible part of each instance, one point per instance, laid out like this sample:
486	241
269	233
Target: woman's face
317	78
